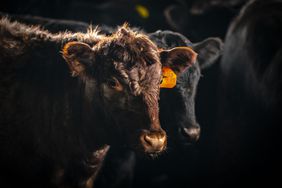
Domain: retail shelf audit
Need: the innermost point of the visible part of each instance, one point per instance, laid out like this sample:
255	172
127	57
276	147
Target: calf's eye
115	84
112	82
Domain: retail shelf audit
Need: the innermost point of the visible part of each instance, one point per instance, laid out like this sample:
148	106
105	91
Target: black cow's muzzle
190	134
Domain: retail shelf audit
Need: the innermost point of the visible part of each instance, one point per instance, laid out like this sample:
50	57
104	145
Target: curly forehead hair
128	46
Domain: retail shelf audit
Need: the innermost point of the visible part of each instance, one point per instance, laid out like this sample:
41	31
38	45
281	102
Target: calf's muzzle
153	142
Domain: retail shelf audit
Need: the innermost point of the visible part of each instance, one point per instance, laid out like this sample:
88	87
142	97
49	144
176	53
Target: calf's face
177	105
124	71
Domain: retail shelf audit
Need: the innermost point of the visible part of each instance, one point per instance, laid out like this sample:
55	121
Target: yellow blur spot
169	78
142	11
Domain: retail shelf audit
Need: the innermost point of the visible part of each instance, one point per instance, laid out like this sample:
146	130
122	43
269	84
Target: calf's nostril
149	140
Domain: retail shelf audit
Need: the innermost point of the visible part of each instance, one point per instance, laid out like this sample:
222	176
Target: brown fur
131	47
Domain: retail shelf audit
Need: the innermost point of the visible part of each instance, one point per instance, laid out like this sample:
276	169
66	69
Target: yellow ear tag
169	78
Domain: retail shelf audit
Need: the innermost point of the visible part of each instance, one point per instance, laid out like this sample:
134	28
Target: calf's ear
178	58
209	50
78	55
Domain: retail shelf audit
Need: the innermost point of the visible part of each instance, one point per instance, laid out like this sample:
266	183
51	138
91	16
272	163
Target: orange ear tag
169	78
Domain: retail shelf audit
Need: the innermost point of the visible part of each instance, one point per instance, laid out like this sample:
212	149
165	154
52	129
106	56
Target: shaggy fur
51	122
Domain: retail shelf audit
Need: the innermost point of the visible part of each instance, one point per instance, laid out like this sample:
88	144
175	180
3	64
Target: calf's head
177	105
122	74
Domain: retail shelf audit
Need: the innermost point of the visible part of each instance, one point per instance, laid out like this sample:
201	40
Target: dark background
196	19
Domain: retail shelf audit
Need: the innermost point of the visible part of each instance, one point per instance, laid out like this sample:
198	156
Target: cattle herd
86	106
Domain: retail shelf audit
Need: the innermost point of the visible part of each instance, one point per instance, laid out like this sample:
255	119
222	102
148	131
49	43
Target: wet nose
191	133
153	141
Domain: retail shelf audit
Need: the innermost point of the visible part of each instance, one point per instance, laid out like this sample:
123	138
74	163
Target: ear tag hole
169	78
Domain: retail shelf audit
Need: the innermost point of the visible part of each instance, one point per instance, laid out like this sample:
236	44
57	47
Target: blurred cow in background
249	120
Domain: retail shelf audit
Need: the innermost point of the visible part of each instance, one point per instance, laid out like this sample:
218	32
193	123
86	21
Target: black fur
248	128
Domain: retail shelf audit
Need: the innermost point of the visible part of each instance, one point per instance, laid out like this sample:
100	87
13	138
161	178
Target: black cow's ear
208	51
178	58
78	55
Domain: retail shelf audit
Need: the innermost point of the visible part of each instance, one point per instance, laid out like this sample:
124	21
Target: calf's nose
153	142
192	134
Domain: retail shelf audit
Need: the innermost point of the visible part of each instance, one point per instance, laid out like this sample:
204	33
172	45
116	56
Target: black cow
54	127
249	119
177	105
